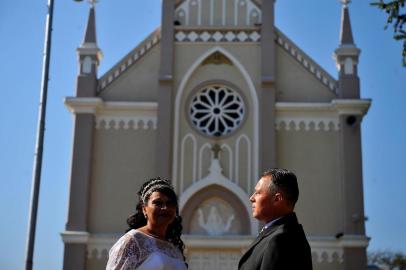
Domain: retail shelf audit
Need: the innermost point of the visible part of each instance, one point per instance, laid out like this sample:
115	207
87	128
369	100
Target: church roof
306	61
154	38
130	59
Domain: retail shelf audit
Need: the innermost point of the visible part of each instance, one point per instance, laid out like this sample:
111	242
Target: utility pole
39	146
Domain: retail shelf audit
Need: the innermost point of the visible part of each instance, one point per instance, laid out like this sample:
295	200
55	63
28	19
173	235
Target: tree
392	260
396	12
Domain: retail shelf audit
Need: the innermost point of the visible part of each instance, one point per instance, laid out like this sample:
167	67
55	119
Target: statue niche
215	217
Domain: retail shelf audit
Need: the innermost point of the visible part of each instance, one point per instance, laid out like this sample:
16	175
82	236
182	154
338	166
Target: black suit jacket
282	246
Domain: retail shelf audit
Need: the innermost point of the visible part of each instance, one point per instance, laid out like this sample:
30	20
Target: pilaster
267	155
166	92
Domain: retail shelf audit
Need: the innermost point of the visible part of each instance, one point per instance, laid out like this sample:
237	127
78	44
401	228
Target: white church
210	99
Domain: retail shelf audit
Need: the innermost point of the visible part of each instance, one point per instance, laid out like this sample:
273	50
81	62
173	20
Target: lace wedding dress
138	251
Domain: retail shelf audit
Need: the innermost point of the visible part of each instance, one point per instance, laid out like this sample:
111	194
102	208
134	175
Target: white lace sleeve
125	254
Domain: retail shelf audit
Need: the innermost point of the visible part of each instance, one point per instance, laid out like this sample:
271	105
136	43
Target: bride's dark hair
138	219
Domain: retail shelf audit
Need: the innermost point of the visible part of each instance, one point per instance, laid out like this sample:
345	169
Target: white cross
345	2
93	2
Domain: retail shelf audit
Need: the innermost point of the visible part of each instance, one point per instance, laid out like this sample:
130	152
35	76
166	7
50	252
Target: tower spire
90	34
89	56
346	31
346	57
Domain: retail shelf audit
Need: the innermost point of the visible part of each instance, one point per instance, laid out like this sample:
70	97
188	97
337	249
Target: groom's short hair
283	181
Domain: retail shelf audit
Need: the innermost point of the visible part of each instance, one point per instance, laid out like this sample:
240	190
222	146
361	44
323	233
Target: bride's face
160	209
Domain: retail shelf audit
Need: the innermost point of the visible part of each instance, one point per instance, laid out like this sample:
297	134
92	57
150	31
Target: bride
153	239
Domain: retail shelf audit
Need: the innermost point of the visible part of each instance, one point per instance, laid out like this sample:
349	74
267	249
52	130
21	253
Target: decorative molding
226	242
183	157
201	152
218	35
215	177
317	116
75	237
252	14
83	105
352	106
99	245
330	249
305	60
230	159
116	114
130	59
217	59
324	248
245	138
179	96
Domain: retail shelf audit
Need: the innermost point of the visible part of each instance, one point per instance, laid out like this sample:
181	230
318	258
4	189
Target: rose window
216	110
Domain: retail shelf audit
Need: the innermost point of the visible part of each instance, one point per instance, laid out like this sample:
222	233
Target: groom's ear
278	197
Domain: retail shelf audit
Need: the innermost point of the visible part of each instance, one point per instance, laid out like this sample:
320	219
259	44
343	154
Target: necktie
262	230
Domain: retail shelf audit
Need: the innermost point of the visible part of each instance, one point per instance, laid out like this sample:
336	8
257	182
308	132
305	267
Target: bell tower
346	57
89	56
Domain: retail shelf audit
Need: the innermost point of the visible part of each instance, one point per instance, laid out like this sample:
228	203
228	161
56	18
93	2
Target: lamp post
39	141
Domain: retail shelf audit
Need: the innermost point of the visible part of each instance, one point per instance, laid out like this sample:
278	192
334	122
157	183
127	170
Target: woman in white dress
152	241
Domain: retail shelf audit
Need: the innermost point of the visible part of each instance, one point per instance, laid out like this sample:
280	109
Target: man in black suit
281	244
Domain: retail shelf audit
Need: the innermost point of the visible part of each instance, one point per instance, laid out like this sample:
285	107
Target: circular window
216	110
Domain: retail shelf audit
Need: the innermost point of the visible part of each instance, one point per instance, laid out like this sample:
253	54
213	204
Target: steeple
89	56
346	57
346	31
90	35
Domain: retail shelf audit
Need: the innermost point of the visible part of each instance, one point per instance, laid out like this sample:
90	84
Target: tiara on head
154	183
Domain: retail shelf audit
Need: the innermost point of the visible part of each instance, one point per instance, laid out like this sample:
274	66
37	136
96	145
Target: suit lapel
286	219
261	236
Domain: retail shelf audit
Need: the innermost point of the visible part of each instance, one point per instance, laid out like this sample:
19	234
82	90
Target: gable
298	77
135	77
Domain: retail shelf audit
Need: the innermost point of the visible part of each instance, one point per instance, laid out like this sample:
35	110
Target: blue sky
313	25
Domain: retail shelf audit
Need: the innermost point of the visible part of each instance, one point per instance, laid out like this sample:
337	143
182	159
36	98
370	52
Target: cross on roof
345	2
93	2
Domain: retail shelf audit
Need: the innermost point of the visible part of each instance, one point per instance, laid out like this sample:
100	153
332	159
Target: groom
281	244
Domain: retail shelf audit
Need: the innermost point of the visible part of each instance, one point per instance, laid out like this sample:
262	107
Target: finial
345	2
216	149
93	2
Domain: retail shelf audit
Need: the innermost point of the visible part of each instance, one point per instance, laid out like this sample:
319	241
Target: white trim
319	115
253	97
352	106
236	241
332	248
83	105
183	156
113	113
99	244
216	178
230	159
237	161
199	12
75	237
246	36
201	150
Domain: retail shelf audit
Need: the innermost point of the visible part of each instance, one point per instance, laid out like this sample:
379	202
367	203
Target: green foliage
396	12
389	259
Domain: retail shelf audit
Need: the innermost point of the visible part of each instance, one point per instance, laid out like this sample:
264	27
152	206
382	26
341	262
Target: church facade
212	98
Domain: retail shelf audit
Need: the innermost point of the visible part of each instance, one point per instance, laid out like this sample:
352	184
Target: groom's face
263	202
